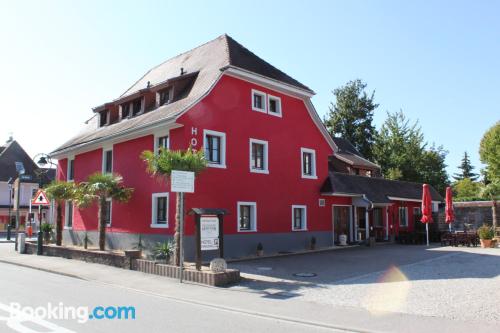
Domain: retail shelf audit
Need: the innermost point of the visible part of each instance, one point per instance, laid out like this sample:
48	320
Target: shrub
485	232
164	249
46	227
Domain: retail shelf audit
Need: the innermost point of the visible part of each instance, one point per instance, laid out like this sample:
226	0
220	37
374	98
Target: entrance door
341	222
361	223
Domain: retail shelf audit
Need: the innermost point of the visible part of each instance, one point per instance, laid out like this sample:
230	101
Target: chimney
182	71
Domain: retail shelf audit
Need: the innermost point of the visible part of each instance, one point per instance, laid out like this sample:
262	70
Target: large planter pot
46	237
485	243
343	239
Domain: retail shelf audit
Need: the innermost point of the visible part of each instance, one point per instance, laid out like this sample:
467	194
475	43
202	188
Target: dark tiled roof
12	153
208	60
377	190
346	152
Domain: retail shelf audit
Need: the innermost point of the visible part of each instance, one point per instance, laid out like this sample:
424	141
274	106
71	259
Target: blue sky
436	60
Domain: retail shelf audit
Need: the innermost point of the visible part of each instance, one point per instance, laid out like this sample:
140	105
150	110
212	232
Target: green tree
466	189
402	153
98	188
489	151
466	169
162	164
432	168
398	147
351	116
60	191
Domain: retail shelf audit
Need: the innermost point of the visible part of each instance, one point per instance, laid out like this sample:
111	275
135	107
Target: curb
279	255
41	269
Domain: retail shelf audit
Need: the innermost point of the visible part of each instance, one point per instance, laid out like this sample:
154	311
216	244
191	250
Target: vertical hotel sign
209	233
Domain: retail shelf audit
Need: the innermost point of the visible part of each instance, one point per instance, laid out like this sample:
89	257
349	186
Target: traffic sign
40	199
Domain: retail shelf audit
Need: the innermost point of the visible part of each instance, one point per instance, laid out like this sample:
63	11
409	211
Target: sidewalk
264	303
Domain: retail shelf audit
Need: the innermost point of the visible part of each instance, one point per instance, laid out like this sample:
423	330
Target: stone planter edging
204	277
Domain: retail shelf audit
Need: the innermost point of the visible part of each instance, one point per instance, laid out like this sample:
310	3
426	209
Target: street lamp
20	171
9	226
42	160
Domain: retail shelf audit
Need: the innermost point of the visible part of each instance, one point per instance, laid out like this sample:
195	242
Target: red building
270	157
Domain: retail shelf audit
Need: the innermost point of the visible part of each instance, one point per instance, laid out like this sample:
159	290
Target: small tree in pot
260	250
46	229
486	235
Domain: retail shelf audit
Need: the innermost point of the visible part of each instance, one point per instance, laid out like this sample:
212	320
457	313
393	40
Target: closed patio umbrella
450	214
426	209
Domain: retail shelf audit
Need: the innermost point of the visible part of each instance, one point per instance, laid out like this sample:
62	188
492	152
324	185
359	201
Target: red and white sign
40	199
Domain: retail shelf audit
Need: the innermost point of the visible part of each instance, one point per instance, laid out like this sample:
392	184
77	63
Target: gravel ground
463	284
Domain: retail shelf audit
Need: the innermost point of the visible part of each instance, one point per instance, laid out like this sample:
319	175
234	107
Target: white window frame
278	104
110	212
304	207
253	222
66	216
104	150
406	217
314	174
222	135
68	169
322	202
156	137
155	196
264	101
266	156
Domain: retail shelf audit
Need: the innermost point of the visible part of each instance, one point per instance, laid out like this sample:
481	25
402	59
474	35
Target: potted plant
46	228
163	251
486	235
313	243
260	250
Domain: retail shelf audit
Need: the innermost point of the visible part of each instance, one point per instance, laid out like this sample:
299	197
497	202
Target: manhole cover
264	268
305	274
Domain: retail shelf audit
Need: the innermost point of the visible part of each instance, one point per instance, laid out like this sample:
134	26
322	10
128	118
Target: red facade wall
227	108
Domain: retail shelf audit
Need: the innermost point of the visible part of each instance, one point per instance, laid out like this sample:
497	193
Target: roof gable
12	153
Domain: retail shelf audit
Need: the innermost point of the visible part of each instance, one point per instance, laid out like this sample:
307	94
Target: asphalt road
34	288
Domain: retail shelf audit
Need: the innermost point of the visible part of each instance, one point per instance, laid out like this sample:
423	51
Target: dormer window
131	109
136	107
104	118
164	96
125	110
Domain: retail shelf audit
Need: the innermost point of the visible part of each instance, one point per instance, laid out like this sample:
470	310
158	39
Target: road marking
17	320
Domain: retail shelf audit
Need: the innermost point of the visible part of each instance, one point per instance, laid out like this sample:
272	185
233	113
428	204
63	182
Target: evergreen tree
351	116
402	153
466	170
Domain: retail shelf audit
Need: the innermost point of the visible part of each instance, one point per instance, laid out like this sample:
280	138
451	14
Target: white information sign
209	233
182	181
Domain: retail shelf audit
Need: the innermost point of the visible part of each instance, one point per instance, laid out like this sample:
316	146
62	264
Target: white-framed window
259	152
68	216
214	145
71	169
322	202
403	216
108	212
299	217
274	105
161	141
308	163
107	160
417	211
259	101
378	219
247	216
159	210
